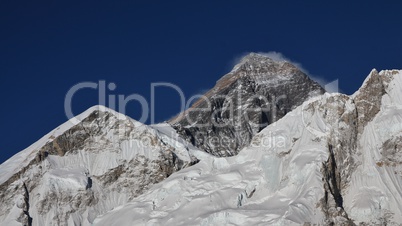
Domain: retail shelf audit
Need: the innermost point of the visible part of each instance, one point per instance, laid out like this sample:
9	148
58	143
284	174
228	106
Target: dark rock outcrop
256	93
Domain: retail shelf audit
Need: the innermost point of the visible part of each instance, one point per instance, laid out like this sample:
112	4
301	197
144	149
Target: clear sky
46	47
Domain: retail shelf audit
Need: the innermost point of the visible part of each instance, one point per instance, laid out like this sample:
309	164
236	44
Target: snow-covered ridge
86	166
24	157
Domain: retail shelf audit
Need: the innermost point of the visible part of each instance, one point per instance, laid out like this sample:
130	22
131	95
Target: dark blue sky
46	47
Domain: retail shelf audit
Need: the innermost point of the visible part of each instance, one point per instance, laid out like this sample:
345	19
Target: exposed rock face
256	93
333	200
102	162
368	99
27	219
339	134
392	150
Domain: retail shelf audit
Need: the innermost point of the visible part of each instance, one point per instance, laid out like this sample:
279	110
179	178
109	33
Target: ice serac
79	171
257	92
334	160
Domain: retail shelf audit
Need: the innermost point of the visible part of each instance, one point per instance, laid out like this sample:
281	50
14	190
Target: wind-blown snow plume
329	86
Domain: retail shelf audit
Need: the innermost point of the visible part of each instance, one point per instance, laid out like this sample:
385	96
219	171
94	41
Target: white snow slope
278	179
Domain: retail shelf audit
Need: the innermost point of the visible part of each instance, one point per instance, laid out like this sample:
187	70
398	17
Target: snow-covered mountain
257	92
77	172
326	159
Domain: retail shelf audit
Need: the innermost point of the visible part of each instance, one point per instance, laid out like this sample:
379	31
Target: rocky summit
257	92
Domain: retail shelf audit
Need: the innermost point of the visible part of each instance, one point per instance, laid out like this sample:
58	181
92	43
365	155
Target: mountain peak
257	56
256	75
263	62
